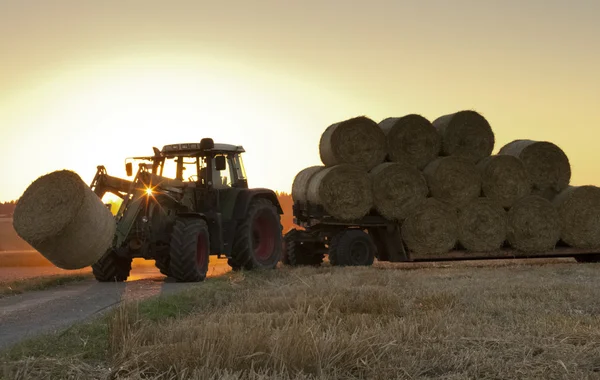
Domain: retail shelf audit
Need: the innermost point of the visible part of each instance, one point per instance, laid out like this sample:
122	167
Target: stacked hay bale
441	183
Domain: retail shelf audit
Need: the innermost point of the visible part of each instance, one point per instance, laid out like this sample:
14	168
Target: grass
9	288
457	322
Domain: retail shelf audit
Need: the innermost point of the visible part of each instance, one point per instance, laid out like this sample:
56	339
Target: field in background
506	320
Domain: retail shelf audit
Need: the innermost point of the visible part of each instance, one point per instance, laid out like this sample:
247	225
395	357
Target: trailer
360	242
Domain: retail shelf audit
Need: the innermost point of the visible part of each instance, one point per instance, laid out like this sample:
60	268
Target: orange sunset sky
84	83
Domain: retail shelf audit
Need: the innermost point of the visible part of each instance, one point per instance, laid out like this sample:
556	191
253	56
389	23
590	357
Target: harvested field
579	212
344	191
453	180
466	134
482	225
431	228
398	189
504	179
533	225
508	322
547	164
411	139
357	141
60	216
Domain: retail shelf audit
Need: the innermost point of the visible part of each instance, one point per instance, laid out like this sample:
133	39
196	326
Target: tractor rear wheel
258	241
162	263
112	268
301	254
190	250
352	248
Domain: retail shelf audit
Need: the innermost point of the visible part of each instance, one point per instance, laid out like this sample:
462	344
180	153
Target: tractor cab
206	164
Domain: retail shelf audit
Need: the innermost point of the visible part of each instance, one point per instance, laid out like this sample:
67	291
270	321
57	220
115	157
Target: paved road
29	314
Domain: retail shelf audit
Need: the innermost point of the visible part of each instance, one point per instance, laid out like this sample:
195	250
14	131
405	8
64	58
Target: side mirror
129	169
220	163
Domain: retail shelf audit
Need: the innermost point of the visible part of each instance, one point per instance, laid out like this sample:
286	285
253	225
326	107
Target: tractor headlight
148	191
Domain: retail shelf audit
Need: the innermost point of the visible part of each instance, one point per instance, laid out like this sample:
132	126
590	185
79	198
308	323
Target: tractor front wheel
190	249
258	241
111	268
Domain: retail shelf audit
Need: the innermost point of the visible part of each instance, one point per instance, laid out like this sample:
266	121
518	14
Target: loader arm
104	183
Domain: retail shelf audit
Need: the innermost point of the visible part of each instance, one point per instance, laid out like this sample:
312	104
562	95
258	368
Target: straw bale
579	212
301	181
467	134
431	228
358	141
482	225
411	139
344	191
504	179
398	188
64	220
547	164
533	225
454	180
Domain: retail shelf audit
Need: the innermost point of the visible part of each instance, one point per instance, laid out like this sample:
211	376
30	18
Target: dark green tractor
205	208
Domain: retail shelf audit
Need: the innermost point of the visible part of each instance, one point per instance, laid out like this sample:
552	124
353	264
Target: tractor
185	203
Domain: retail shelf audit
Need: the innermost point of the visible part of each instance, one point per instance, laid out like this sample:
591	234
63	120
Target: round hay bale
466	134
62	218
431	228
344	191
579	213
533	225
547	164
301	181
482	225
358	141
411	139
398	188
504	179
453	180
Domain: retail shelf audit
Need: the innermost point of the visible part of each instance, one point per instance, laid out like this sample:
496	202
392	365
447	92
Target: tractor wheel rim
263	236
201	250
359	252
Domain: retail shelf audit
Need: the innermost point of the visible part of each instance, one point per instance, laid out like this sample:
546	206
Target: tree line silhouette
8	208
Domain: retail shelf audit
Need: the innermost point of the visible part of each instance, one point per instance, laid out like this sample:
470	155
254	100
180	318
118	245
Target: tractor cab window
222	178
238	166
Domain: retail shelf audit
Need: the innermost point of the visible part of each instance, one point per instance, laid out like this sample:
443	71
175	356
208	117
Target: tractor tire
162	263
190	250
301	254
234	266
587	258
352	248
258	241
111	268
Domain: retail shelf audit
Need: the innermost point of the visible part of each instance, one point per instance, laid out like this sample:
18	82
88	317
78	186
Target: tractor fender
245	197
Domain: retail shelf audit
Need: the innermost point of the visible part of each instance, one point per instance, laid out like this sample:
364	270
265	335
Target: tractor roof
193	149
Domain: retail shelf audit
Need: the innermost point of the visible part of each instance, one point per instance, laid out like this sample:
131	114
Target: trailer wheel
352	248
190	249
258	241
111	268
587	258
302	254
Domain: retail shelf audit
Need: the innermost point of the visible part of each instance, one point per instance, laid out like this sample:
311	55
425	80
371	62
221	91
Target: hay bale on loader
398	188
579	212
411	139
547	164
482	225
533	225
466	134
344	191
62	218
504	179
301	181
358	141
454	180
431	228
